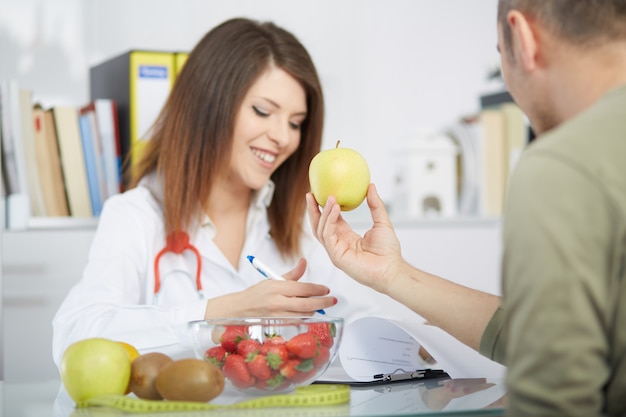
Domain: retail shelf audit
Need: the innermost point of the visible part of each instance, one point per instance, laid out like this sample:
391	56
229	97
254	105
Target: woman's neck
228	211
225	199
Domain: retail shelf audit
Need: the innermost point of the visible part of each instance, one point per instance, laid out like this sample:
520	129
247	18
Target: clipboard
398	375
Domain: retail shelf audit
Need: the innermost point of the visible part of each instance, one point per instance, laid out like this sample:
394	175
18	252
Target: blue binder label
152	71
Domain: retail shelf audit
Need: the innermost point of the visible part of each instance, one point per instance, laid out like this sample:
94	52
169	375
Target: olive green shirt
561	329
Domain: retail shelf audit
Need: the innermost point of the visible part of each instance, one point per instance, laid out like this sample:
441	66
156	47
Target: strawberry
273	339
257	364
248	346
303	345
275	383
232	336
289	370
216	355
323	355
236	370
303	376
276	355
298	370
325	332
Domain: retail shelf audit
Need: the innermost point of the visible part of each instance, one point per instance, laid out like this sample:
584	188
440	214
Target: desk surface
458	397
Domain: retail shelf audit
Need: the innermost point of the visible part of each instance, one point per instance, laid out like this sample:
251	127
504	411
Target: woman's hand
273	298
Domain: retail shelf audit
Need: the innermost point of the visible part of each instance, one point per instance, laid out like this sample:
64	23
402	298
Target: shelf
438	222
58	223
360	221
69	223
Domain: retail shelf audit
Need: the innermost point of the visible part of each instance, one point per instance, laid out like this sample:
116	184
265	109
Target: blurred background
389	68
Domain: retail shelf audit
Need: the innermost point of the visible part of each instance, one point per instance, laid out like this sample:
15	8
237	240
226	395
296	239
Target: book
94	156
17	208
140	83
35	192
494	172
515	133
72	160
49	164
106	120
467	135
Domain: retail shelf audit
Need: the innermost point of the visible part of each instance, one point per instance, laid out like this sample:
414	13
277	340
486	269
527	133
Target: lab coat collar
257	226
261	199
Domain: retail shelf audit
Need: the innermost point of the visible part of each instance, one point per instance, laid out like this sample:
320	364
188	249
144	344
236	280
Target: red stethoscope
177	243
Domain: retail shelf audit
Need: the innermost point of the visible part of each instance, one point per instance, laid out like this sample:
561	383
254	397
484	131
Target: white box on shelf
426	177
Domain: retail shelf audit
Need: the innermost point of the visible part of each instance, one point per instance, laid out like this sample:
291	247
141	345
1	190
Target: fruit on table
325	333
304	345
132	354
94	367
236	369
130	349
144	371
275	363
189	380
342	173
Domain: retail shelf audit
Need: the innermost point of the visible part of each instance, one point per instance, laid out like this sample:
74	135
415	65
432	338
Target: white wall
389	68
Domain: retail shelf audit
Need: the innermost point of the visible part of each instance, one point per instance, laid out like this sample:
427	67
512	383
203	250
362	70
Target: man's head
580	22
543	41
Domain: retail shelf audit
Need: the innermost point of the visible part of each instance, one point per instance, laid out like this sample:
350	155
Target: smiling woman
224	173
267	130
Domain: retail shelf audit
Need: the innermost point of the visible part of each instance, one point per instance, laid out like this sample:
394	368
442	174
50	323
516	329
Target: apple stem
337	145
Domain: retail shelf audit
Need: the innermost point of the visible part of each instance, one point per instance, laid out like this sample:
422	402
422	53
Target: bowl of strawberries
268	354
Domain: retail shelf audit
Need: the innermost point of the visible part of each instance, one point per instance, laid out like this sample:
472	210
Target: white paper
372	345
454	357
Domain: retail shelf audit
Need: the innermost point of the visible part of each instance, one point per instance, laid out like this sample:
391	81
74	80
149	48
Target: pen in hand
268	273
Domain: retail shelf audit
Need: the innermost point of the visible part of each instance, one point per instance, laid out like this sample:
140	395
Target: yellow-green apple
94	367
342	173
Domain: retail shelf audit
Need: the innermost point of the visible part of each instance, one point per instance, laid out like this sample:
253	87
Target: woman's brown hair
190	144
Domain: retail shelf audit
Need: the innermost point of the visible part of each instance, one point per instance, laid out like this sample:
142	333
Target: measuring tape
308	396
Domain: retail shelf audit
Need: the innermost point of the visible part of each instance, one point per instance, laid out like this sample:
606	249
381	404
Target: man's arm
375	260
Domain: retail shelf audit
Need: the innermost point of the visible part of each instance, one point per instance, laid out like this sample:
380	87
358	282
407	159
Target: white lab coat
114	297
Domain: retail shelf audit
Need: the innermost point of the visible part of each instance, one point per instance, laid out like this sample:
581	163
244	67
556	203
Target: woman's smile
268	158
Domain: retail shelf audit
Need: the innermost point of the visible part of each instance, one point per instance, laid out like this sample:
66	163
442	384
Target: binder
179	61
139	81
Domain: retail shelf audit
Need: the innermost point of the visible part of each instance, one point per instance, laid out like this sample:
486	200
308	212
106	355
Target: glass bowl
268	354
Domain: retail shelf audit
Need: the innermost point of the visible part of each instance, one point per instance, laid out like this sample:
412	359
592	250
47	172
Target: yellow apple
342	173
94	367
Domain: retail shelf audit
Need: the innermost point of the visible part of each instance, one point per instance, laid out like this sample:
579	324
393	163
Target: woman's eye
294	126
260	112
